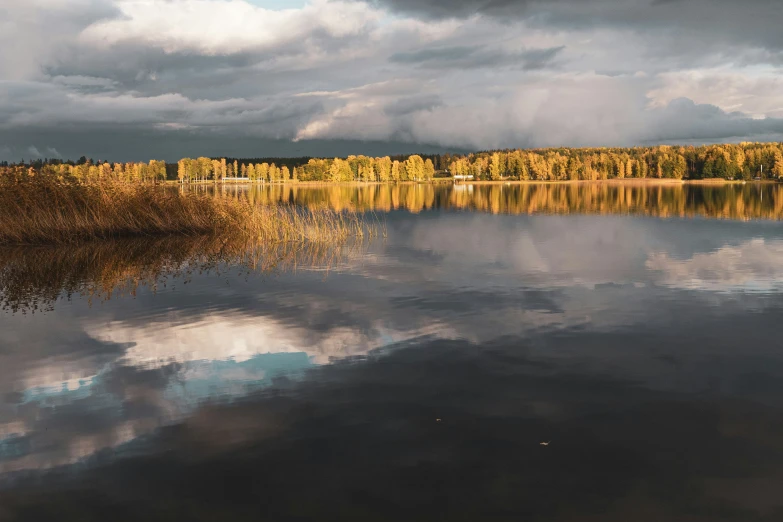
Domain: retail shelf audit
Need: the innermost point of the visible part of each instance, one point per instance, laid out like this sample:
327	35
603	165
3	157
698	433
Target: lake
561	352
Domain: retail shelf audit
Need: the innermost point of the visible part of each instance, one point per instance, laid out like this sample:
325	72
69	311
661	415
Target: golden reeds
45	210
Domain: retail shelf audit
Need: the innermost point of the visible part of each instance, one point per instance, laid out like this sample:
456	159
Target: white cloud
540	110
226	26
754	91
28	38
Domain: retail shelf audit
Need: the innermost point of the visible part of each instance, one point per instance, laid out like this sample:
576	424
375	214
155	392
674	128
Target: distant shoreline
624	181
449	181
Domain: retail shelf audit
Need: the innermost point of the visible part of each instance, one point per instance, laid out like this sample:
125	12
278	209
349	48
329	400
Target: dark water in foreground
414	378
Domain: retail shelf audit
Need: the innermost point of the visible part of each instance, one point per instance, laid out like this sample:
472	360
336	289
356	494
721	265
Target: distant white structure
460	177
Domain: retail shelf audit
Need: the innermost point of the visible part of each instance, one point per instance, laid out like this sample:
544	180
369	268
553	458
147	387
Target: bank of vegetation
43	208
744	161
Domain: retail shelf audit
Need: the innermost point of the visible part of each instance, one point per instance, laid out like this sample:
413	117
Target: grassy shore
46	210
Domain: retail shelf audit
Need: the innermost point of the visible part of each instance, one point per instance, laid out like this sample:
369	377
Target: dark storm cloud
139	66
703	23
152	70
682	119
140	143
35	106
474	57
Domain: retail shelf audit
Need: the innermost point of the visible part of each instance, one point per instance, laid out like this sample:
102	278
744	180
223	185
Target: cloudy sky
136	79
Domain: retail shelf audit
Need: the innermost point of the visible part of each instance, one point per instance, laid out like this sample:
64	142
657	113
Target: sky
125	80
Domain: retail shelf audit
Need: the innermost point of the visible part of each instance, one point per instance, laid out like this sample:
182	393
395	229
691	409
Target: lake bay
554	352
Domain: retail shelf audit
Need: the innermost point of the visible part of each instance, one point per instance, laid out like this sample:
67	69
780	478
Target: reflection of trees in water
750	201
34	278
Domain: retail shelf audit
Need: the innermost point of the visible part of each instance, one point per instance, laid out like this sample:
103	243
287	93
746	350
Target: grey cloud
386	82
412	104
151	70
140	143
475	57
428	55
683	119
418	120
456	9
552	113
37	104
146	66
539	58
29	40
704	23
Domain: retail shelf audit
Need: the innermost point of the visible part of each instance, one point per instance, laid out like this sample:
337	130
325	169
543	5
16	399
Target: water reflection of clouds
587	251
620	450
214	355
59	426
755	265
237	336
551	251
545	284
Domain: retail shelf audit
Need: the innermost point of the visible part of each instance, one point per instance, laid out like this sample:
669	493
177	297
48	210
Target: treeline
727	161
352	168
154	171
206	169
187	170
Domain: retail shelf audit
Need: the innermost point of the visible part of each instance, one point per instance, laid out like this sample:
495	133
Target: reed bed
48	210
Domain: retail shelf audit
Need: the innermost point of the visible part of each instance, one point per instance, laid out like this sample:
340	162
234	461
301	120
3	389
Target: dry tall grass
45	210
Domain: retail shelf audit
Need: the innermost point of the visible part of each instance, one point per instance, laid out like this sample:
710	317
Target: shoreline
447	181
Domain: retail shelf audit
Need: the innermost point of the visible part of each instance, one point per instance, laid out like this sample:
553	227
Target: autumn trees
728	161
203	169
152	172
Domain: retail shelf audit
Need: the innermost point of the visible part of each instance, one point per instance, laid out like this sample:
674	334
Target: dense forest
727	161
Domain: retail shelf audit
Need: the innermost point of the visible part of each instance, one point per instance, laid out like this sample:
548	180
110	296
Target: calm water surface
636	332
